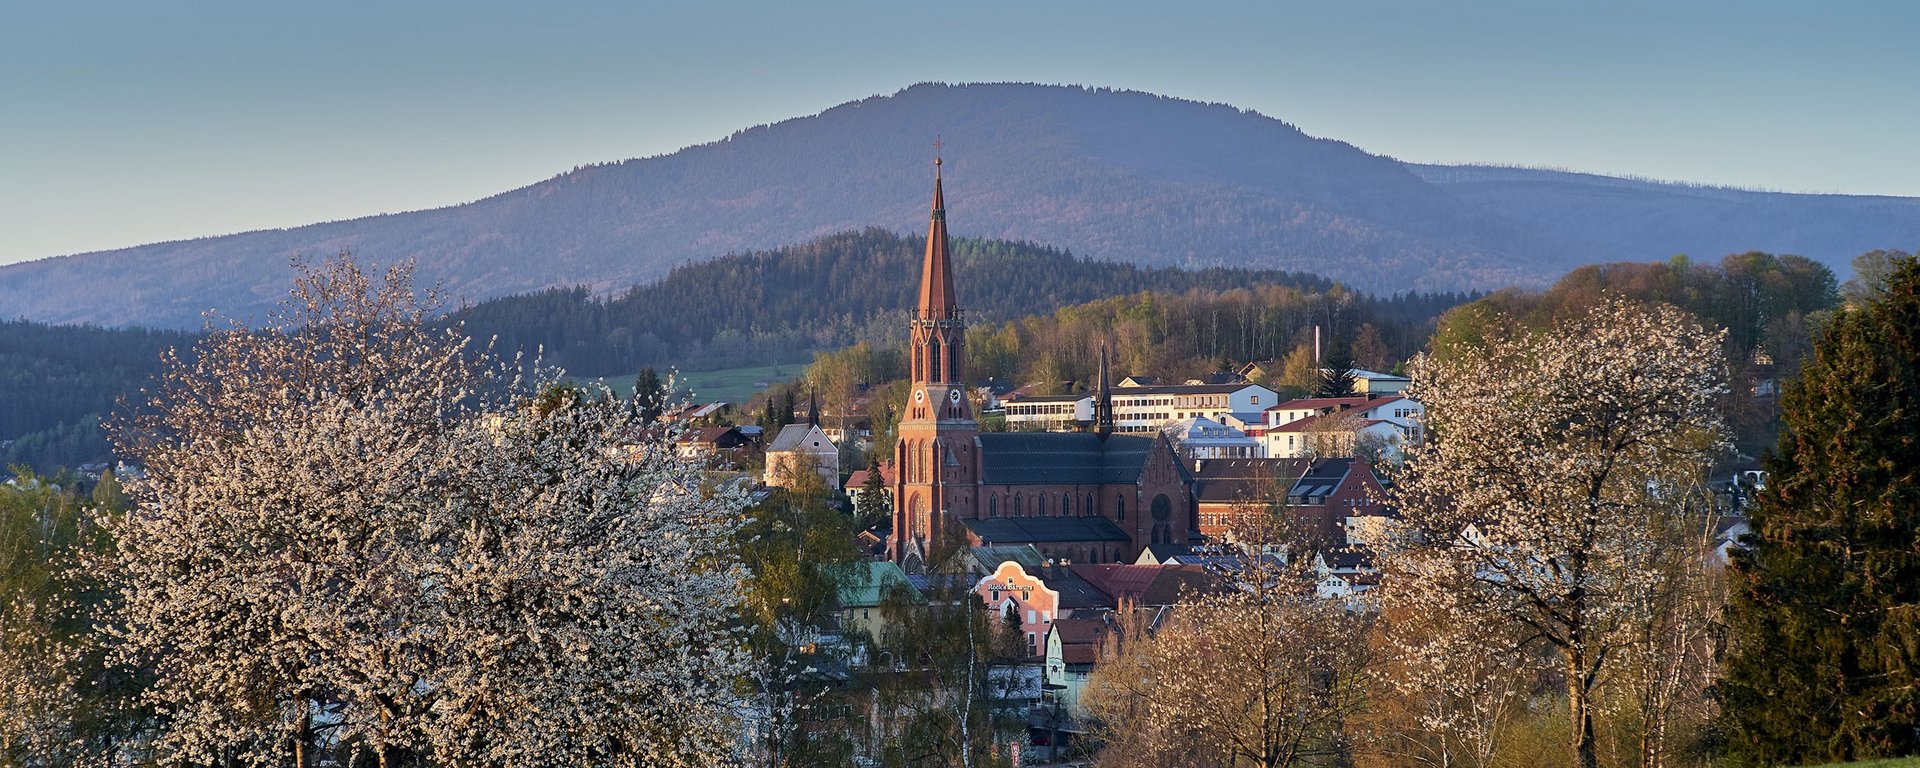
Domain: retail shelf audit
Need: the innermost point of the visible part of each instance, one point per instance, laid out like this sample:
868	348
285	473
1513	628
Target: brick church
1084	497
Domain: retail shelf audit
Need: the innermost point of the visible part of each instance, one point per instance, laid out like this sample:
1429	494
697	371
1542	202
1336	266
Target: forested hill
781	304
1111	175
1664	218
778	305
56	382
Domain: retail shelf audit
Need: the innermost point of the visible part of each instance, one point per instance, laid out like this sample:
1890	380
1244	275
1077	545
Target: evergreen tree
1336	371
649	395
874	506
1825	598
789	401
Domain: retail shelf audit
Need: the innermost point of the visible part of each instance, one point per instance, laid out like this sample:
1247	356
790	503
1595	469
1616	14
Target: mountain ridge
1107	174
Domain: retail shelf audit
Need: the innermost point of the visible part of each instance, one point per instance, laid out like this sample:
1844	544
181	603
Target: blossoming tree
1542	505
361	536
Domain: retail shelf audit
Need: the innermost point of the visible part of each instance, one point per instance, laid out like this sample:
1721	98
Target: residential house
712	444
1337	426
857	481
864	590
799	445
1073	647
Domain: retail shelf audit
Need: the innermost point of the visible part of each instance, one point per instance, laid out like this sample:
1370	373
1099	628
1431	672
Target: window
1019	506
1120	508
993	506
1030	620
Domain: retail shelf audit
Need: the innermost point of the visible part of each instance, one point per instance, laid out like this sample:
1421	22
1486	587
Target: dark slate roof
1183	389
1044	530
1041	458
1235	480
1148	584
1165	550
793	437
1075	592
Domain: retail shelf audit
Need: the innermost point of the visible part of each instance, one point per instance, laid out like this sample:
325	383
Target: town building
1198	437
1367	382
1319	495
1092	496
1047	413
1141	407
712	444
1149	408
863	592
802	445
1073	647
1338	426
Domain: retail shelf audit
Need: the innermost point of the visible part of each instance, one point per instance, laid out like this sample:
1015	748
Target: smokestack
1316	345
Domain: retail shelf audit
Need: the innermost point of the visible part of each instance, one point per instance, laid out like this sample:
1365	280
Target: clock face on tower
953	396
919	395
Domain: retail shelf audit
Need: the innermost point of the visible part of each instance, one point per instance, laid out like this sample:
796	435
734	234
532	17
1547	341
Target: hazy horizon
136	124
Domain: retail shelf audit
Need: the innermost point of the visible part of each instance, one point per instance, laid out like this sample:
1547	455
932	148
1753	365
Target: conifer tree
649	395
1825	604
1336	371
874	505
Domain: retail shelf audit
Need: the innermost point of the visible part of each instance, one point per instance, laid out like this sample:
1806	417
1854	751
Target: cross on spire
937	145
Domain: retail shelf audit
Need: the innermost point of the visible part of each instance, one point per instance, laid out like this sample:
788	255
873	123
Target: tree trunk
1579	716
380	749
303	735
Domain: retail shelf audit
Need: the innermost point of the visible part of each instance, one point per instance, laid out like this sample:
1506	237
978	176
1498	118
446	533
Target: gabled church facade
1090	497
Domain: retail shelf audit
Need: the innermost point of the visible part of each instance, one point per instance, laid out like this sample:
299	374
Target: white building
1199	437
1333	425
1377	383
799	443
1331	435
1146	409
1142	408
1036	413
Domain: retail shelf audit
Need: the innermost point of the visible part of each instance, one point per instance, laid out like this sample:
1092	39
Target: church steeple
936	270
935	455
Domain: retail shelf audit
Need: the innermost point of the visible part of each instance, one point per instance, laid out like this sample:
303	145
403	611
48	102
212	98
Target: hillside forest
1038	316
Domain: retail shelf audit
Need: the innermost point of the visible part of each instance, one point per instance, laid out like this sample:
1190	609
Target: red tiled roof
1310	422
1314	403
1078	631
1148	584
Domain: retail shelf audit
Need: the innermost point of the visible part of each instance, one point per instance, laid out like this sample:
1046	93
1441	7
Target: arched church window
1019	506
1039	505
1086	506
934	373
1120	508
1066	505
1162	511
993	506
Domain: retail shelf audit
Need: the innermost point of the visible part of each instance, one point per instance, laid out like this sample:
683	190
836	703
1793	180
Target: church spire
1103	401
936	271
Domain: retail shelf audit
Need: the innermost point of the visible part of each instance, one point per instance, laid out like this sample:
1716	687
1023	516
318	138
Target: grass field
733	385
1895	762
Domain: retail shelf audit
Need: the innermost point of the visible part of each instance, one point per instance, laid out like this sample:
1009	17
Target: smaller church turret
1103	399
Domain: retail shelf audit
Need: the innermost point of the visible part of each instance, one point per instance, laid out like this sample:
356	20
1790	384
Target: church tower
936	478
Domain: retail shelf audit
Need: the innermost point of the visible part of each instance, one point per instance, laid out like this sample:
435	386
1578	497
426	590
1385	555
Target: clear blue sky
129	122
